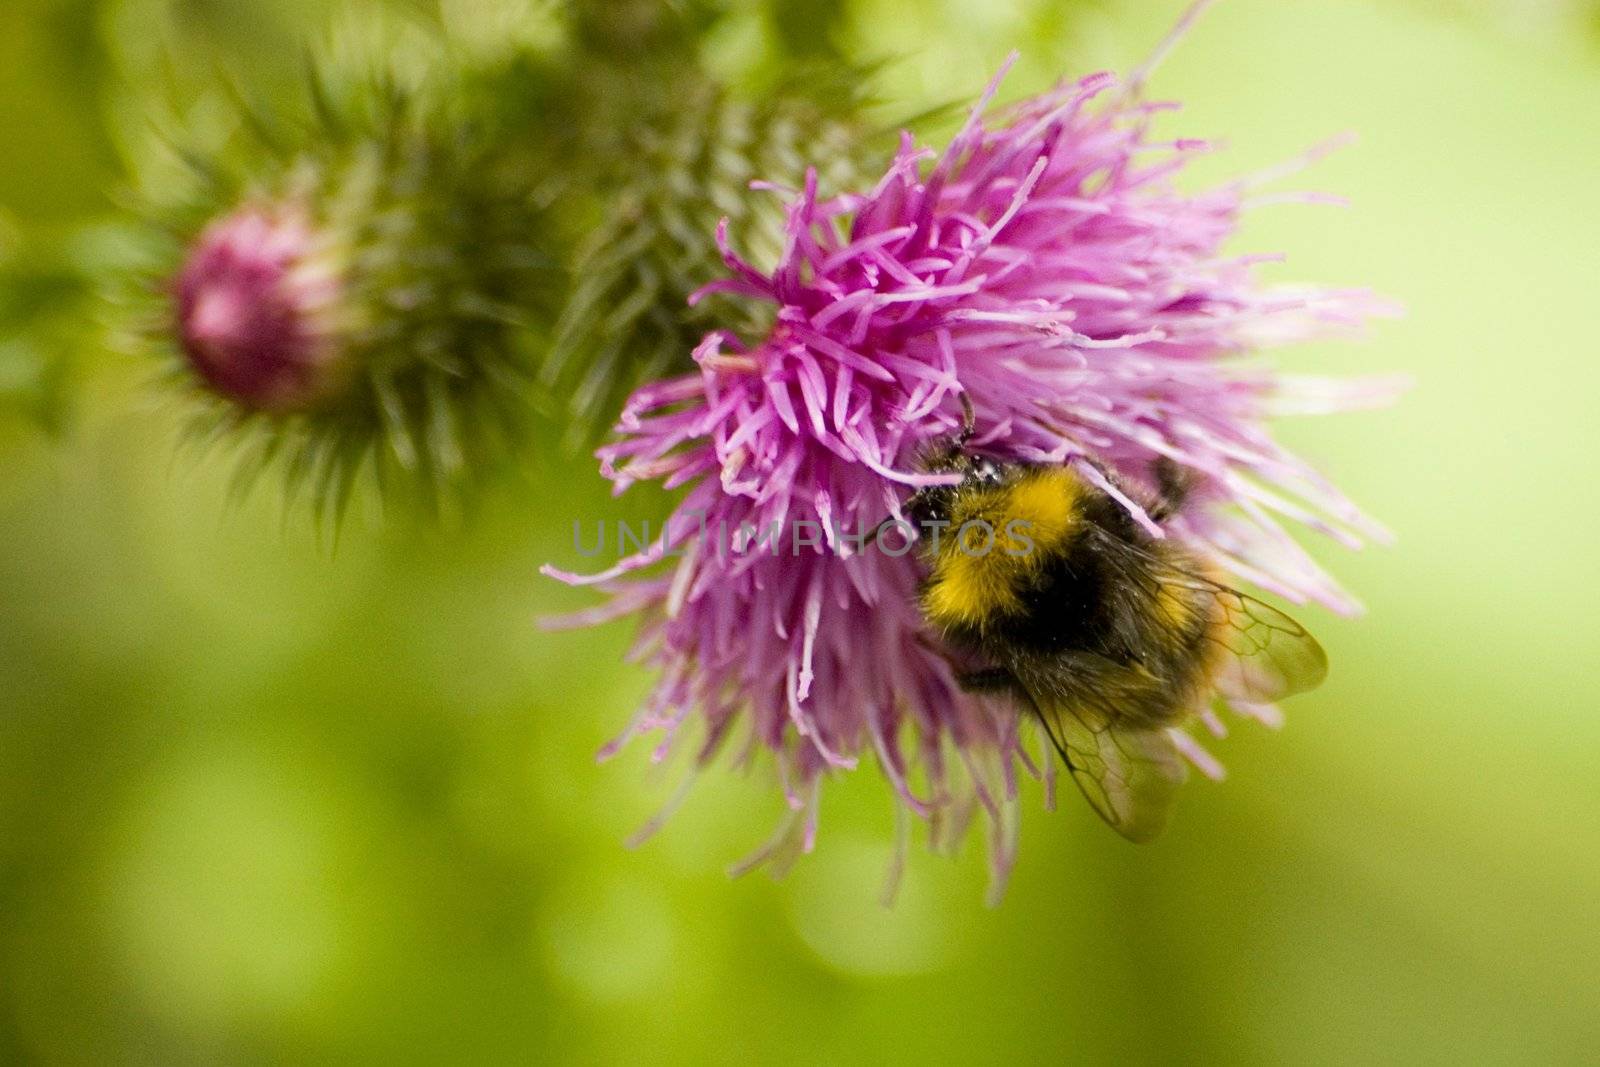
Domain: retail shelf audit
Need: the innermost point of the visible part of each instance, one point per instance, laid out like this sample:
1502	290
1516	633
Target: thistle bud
357	288
684	167
256	304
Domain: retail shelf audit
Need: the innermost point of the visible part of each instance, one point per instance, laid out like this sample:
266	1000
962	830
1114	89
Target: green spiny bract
672	153
422	202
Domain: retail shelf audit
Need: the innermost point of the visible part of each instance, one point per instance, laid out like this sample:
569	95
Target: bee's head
934	503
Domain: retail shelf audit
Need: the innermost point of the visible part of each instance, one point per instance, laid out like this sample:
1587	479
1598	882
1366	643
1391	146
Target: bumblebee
1042	587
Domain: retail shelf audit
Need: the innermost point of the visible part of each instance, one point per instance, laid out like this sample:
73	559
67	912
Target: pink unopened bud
255	301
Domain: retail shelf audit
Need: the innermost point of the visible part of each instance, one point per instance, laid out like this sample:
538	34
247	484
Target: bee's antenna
969	420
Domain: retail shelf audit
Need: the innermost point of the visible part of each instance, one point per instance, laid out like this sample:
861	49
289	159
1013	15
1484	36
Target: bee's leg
1173	483
978	680
988	680
1001	680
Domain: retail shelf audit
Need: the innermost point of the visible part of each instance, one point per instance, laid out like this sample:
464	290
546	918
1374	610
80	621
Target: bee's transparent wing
1129	776
1264	655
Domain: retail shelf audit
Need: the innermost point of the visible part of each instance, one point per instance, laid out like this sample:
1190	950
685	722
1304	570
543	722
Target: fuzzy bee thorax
993	540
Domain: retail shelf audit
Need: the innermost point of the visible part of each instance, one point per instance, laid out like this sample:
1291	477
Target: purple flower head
254	302
1045	268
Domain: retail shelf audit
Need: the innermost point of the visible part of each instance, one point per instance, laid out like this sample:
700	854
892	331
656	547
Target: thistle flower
1043	266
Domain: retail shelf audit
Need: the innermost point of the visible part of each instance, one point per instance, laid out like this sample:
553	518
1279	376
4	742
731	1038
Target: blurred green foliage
263	804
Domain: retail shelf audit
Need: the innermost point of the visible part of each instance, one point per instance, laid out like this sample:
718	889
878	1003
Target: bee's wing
1265	655
1129	776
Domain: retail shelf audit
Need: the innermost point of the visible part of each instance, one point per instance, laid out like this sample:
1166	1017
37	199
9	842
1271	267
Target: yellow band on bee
998	538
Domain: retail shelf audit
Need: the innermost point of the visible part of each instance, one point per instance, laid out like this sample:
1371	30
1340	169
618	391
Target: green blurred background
264	802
